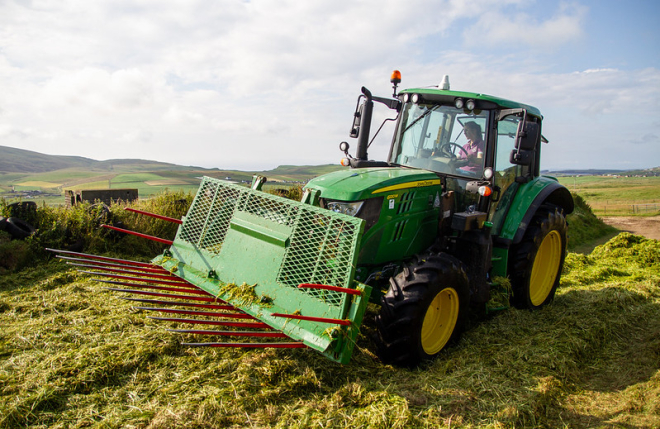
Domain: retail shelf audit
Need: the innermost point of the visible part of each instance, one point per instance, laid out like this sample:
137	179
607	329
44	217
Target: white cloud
91	88
7	131
254	84
500	27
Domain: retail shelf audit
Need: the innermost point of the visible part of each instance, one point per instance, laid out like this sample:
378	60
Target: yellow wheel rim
545	269
440	321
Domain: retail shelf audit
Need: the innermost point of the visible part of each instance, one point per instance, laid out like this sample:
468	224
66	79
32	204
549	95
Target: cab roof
484	100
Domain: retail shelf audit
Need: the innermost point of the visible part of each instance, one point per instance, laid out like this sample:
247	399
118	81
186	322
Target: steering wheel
455	161
451	152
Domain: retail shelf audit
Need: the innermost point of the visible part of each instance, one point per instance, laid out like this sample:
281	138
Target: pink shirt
472	148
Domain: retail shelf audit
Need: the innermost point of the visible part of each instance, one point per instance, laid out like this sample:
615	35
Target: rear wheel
538	260
423	311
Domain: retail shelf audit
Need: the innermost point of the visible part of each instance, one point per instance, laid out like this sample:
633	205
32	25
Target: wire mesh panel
208	218
321	252
252	250
319	244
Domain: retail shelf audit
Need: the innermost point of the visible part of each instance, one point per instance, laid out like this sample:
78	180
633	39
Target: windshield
441	138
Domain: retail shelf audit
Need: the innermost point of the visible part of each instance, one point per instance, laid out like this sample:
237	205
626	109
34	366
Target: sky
253	84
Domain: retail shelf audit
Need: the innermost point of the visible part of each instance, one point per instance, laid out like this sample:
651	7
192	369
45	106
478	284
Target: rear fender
528	199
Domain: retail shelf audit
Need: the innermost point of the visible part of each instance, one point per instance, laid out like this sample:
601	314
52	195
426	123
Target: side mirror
527	137
357	117
521	157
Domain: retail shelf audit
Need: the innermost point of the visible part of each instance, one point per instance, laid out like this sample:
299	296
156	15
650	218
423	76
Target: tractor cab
477	145
435	137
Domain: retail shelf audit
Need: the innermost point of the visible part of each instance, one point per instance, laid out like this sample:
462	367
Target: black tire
423	311
536	262
18	228
102	213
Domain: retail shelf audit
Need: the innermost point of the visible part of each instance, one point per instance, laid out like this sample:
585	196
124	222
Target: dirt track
648	227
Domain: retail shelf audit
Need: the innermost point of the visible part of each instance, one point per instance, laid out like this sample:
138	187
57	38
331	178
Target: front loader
427	234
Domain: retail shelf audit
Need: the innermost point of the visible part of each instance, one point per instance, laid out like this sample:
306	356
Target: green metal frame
234	237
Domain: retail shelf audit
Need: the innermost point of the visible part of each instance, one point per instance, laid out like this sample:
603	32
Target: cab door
505	172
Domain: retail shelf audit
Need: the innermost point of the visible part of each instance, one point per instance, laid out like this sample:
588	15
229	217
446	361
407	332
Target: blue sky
254	84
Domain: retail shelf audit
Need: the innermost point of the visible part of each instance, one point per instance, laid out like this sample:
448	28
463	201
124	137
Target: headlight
347	208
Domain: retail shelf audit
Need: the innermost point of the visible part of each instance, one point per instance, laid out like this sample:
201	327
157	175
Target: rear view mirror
528	137
521	157
357	117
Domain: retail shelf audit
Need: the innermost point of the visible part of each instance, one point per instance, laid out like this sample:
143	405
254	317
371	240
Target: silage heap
72	356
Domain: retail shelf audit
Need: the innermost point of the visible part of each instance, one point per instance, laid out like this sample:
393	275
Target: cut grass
73	356
585	229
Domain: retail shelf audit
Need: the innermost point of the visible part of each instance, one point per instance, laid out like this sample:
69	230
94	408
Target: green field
148	183
607	195
611	196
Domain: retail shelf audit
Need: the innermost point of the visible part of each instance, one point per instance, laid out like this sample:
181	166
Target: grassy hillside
300	172
25	171
25	161
585	228
31	171
72	355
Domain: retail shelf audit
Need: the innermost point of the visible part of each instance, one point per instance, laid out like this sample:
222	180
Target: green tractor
428	234
458	203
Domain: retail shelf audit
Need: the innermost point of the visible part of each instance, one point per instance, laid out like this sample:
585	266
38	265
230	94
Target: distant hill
603	172
577	172
645	172
28	174
25	161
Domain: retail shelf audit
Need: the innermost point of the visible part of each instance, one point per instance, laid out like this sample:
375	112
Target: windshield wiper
421	116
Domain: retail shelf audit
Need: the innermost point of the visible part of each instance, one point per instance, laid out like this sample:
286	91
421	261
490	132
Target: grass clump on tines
73	356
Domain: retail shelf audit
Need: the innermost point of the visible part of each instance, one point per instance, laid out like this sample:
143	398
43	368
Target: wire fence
611	208
645	208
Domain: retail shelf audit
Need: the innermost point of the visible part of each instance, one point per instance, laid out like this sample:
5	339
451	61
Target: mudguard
529	197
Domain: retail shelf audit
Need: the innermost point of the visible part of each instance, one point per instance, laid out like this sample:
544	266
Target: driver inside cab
473	150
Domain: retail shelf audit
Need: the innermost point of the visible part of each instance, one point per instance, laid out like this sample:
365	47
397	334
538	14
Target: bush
78	228
14	254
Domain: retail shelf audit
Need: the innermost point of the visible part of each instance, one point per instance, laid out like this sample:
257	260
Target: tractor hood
363	183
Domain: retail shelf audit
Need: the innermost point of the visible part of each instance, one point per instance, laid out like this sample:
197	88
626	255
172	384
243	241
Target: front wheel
538	260
423	311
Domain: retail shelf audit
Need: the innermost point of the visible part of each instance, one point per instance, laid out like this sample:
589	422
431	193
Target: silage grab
287	264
